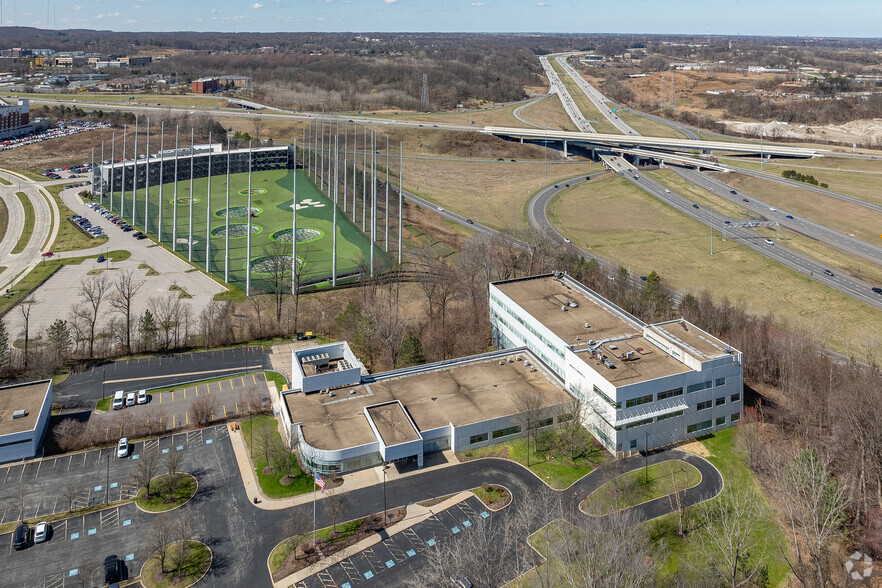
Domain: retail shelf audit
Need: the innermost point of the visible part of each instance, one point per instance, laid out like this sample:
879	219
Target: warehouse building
644	385
342	419
24	419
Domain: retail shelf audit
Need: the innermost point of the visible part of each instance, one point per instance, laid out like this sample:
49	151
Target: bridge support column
565	149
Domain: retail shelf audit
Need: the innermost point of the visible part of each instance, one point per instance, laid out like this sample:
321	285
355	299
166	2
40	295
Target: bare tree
202	409
388	325
279	275
69	434
173	460
145	470
815	507
93	291
300	270
25	306
264	437
70	492
337	504
160	537
296	526
182	532
125	289
87	567
528	403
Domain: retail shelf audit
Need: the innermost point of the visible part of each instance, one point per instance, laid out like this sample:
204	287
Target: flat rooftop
701	344
461	393
392	423
542	297
28	397
646	362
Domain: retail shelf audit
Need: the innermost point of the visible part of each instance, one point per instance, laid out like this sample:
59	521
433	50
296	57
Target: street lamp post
385	466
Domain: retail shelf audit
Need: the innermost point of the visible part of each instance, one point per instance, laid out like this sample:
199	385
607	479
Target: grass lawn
847	217
272	201
495	497
31	174
549	112
494	117
281	551
725	457
616	220
28	228
5	182
271	484
648	127
586	107
700	196
195	565
104	403
44	271
4	218
554	465
491	193
70	237
161	500
633	488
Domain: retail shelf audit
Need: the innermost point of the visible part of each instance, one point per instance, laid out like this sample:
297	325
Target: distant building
15	119
267	50
213	84
204	85
14	52
136	61
24	419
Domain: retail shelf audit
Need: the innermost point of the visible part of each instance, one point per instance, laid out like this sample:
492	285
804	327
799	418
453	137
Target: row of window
506	432
529	327
529	343
674	392
718	402
734	417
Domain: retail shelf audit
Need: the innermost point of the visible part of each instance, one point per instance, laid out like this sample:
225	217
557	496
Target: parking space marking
414	539
179	448
113	484
165	450
390	563
326	578
75	571
393	548
110	517
454	530
209	441
39	463
485	514
53	581
375	561
74	535
430	542
69	460
349	569
127	522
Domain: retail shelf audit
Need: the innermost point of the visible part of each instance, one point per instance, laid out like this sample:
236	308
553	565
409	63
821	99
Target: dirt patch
64	151
695	447
862	132
305	554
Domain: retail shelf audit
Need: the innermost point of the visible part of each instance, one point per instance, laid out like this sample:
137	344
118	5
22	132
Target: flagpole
313	508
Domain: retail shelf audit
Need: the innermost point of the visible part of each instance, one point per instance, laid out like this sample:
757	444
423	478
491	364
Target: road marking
135	456
209	441
38	470
173	421
21	475
467	523
84	458
368	575
160	397
185	393
165	450
187	418
179	448
430	542
127	522
98	488
113	484
231	369
236	403
485	514
73	572
454	530
225	406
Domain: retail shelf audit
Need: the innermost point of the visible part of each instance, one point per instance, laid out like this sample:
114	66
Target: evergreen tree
58	337
149	331
5	359
411	352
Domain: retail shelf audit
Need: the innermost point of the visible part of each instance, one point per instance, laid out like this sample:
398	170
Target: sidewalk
353	481
415	514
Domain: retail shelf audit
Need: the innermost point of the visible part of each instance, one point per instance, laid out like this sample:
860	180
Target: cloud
257	5
543	4
77	7
390	1
215	11
477	4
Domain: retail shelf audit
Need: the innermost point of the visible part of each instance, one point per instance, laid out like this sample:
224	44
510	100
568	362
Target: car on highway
470	221
790	216
441	209
745	200
877	290
667	191
734	192
41	532
122	448
643	278
694	206
769	242
21	537
727	222
567	240
772	209
566	185
556	186
829	273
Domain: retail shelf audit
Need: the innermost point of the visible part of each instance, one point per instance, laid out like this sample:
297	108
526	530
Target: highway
517	112
598	99
557	87
806	227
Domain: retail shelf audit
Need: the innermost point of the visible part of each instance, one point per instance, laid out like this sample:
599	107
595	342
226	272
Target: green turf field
271	202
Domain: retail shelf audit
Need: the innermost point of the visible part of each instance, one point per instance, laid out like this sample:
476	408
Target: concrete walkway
415	514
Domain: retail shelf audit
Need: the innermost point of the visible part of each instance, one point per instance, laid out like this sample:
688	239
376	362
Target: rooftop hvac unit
574	304
629	355
330	394
532	369
608	363
590	341
578	338
501	362
613	347
509	359
587	326
352	392
563	308
518	358
19	414
526	363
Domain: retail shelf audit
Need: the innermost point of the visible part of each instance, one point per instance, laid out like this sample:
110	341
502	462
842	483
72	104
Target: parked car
122	448
111	569
142	396
41	532
21	537
130	399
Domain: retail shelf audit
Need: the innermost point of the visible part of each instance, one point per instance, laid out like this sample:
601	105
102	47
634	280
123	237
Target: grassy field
858	183
5	182
161	500
647	127
270	483
271	201
768	534
116	98
550	113
554	466
618	221
29	220
586	107
492	193
4	219
195	565
492	117
700	196
637	487
831	212
832	163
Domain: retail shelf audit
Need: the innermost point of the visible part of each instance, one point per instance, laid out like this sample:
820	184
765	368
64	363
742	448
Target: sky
826	18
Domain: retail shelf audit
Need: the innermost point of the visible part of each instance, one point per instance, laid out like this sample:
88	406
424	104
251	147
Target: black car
470	221
694	206
22	536
100	259
877	290
732	192
111	569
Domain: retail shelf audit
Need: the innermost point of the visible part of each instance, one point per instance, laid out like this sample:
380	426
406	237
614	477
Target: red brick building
14	119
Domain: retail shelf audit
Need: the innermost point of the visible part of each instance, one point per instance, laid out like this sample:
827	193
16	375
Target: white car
566	240
439	208
142	396
772	209
41	532
769	242
667	191
122	448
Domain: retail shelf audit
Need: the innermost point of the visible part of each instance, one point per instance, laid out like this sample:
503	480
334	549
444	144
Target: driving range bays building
643	385
344	419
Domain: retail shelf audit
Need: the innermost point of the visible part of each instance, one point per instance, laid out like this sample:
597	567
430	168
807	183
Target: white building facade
643	385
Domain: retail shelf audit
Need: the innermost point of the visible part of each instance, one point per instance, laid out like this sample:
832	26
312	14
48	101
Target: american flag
319	481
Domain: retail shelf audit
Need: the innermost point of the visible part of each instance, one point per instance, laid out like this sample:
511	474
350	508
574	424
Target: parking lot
171	409
401	556
39	488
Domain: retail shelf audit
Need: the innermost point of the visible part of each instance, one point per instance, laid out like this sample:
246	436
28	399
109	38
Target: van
130	399
119	398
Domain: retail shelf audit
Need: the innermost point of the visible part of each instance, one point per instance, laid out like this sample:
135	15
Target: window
720	382
721	421
608	400
735	397
699	426
721	401
736	416
478	438
638	401
565	418
640	423
670	415
545	423
698	387
633	443
506	432
704	405
669	393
